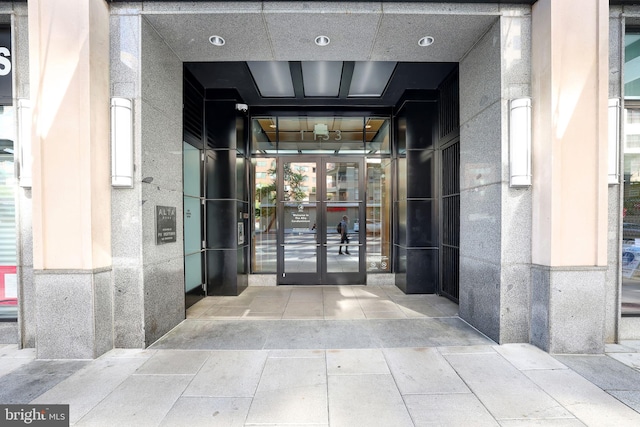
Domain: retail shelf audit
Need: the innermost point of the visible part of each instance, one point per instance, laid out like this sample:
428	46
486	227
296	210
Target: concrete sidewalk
332	371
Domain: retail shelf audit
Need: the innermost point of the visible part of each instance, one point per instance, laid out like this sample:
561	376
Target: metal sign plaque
6	67
165	224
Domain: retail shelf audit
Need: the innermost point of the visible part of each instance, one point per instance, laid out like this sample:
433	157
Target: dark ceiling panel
236	75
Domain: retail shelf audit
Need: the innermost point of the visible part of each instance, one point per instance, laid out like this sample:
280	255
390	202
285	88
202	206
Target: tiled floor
322	302
355	357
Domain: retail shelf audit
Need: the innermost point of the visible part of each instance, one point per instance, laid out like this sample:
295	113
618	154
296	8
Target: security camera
242	107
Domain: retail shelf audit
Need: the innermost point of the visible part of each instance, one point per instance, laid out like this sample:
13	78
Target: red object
4	300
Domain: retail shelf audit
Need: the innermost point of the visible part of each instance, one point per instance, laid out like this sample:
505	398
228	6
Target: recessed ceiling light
367	127
216	40
322	40
272	126
426	41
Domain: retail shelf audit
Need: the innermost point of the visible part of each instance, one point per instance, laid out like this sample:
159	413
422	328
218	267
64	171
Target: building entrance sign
165	224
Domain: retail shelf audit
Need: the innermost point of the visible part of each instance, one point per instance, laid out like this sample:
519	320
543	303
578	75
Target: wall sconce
520	142
121	143
614	141
25	159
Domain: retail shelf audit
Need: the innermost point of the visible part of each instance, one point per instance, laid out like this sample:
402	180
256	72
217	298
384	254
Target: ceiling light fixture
216	40
426	41
322	40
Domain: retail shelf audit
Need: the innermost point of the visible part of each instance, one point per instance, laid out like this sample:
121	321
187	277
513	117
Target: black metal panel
420	125
222	224
418	270
220	124
449	108
193	112
422	223
222	272
221	172
420	174
450	281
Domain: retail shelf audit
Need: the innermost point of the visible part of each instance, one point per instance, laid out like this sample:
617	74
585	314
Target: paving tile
225	312
371	292
586	401
284	354
448	410
377	305
86	388
8	364
505	391
635	344
356	362
181	362
343	309
617	348
129	353
30	380
395	314
604	371
630	398
306	295
366	400
263	316
632	360
555	422
467	349
321	334
141	400
196	334
304	308
291	391
228	374
527	356
268	304
419	309
453	331
11	350
423	371
404	332
207	411
200	307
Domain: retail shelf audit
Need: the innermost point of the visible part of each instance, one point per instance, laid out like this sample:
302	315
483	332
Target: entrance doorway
316	193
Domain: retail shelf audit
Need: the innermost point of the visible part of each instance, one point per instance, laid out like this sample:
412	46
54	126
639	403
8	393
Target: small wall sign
165	224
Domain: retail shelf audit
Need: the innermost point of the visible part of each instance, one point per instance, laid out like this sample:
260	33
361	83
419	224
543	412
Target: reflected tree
266	195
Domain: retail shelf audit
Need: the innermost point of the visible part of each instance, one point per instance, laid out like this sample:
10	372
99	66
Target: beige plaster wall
69	63
570	85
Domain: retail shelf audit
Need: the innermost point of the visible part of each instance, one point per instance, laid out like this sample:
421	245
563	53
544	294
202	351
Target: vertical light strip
614	141
24	139
520	142
121	143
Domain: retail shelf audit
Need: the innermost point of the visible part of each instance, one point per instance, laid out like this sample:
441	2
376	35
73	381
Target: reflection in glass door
316	194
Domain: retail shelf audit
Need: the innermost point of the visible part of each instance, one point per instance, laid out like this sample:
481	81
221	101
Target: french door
314	194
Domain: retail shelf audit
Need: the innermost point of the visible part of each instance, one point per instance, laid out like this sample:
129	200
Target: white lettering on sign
5	62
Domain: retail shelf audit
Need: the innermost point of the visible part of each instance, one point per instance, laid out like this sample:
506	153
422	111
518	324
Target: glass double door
316	194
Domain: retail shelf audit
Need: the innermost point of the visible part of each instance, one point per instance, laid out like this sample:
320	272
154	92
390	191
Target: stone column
69	75
569	230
